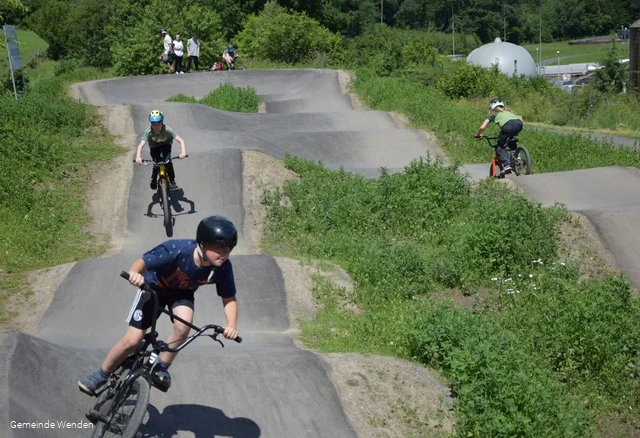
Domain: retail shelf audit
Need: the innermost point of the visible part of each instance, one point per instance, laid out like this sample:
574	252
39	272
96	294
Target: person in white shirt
178	53
168	50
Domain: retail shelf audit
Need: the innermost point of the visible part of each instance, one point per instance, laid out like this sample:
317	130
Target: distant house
511	59
634	55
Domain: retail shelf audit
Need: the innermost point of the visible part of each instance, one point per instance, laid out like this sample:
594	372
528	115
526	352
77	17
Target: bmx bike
518	155
123	400
163	191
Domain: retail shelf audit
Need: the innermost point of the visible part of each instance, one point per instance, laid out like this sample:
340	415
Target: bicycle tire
522	160
132	420
166	209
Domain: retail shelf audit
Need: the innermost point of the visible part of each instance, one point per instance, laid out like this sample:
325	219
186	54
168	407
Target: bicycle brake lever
215	338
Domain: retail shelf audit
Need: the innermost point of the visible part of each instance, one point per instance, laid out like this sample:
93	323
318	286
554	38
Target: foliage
226	97
54	31
90	32
282	36
136	31
613	74
42	174
9	7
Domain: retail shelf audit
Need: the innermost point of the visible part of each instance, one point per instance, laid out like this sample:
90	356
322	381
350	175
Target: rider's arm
231	312
135	272
183	152
482	128
139	150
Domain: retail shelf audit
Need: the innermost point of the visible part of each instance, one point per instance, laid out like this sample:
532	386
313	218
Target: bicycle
123	400
163	190
518	155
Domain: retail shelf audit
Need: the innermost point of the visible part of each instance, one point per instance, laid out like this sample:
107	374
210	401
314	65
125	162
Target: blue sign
15	62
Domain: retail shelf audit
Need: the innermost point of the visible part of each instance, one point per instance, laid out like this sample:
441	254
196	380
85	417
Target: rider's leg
123	348
180	331
184	309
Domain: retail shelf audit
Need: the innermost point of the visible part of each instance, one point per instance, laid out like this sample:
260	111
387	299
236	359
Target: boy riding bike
510	126
160	138
175	269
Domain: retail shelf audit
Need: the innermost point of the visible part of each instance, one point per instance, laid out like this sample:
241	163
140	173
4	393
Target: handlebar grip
238	339
124	274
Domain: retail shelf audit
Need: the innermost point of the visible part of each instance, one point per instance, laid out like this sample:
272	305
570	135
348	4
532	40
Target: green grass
571	53
541	354
455	122
46	169
226	97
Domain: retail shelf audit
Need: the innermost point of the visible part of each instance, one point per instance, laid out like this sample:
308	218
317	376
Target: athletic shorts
141	313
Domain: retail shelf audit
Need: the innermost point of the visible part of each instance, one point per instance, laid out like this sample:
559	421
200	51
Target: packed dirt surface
381	396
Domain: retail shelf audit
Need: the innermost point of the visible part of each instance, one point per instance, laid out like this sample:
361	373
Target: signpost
15	62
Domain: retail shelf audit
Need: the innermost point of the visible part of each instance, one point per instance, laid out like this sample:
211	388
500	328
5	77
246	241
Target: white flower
494	279
530	275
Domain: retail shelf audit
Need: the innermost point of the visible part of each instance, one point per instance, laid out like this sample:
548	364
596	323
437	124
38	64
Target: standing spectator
193	51
167	52
178	53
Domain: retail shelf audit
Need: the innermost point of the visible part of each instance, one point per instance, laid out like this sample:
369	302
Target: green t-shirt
165	136
503	117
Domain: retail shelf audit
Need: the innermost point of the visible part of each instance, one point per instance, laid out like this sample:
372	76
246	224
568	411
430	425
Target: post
453	31
558	53
538	60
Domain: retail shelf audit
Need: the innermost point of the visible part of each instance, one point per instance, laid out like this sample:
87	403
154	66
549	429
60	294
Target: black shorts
141	313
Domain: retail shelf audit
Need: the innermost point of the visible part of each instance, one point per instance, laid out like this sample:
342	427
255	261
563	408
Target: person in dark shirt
175	269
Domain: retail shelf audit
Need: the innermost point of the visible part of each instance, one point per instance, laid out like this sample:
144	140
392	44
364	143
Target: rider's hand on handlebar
182	156
136	279
230	332
139	160
478	136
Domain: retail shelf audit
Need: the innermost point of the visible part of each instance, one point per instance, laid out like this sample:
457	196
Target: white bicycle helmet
496	102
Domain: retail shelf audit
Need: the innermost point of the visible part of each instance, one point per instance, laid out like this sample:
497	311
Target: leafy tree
612	75
91	37
55	31
136	42
9	7
286	36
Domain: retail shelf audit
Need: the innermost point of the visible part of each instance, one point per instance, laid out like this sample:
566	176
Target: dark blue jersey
171	269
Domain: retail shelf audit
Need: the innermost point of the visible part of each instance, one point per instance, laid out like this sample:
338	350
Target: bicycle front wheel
166	209
522	161
126	414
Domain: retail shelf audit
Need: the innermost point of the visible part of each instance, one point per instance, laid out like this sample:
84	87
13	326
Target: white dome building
511	59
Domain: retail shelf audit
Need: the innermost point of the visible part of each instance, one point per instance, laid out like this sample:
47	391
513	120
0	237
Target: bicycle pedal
160	386
94	416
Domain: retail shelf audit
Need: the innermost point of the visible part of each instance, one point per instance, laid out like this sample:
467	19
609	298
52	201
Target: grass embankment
49	145
570	53
226	97
455	122
541	354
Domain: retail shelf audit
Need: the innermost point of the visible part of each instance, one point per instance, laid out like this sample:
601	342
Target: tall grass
48	143
538	355
226	97
455	122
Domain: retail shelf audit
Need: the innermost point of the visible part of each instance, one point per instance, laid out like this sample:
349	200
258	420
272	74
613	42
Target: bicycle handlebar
199	331
177	157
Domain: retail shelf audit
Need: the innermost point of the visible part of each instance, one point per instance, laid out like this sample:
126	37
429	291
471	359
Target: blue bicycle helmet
156	116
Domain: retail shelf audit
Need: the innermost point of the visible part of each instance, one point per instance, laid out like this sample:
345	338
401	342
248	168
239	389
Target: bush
289	37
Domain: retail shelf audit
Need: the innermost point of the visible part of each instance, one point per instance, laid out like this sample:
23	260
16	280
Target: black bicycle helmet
217	230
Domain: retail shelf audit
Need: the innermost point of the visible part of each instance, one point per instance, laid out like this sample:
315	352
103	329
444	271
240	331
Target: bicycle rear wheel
125	415
522	161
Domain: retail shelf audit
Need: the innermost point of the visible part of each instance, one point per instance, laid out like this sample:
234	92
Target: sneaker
506	170
154	184
181	72
161	379
173	186
91	383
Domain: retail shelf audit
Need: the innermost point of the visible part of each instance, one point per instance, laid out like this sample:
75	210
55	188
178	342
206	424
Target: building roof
510	58
636	24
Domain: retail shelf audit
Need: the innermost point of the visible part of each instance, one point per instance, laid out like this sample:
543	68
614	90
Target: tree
10	6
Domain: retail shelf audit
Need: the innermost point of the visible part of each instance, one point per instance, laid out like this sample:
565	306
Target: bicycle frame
518	155
140	366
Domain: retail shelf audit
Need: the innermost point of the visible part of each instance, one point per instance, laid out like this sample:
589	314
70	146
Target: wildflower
530	275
